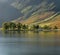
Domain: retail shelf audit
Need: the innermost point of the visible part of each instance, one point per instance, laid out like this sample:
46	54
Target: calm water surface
29	43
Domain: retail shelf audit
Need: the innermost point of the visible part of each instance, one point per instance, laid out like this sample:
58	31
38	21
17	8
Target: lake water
29	43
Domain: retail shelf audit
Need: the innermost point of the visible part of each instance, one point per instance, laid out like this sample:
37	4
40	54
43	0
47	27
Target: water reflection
29	43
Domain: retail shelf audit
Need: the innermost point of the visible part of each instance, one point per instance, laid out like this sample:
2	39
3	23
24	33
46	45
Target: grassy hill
49	19
42	12
29	11
55	21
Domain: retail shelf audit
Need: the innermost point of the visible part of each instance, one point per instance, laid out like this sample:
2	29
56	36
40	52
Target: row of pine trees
19	26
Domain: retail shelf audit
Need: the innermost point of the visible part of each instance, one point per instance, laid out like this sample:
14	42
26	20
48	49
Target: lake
29	43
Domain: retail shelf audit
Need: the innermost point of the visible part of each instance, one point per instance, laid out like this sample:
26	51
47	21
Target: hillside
55	21
35	18
28	11
32	7
36	12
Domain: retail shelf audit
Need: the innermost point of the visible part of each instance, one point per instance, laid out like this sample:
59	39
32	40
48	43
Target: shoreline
44	30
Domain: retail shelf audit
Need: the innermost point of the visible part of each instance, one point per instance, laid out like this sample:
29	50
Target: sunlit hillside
28	11
37	18
54	22
42	12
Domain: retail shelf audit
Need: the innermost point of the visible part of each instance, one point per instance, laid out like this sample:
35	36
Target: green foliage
55	27
19	26
5	26
35	27
12	25
25	26
46	27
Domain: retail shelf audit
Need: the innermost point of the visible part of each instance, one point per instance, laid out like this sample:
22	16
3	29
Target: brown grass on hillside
37	17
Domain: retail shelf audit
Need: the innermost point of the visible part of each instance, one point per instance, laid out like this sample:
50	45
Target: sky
3	1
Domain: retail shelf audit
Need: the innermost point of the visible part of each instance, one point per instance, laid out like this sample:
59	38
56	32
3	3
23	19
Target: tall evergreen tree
5	26
12	25
25	27
19	26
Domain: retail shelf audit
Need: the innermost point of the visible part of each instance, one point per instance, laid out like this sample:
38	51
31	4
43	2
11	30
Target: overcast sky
3	0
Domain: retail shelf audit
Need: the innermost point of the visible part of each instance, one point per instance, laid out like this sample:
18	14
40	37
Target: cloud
3	1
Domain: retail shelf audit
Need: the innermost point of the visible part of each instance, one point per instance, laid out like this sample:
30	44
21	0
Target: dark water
29	43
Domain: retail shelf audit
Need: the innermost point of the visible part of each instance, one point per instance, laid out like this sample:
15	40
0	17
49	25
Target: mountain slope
32	7
36	18
28	11
42	12
55	21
